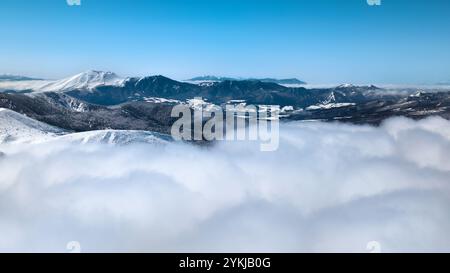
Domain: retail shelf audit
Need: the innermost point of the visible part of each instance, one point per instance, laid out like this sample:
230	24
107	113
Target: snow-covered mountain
84	81
15	127
18	128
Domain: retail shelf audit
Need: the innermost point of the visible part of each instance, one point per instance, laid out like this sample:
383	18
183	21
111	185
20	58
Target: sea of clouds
329	187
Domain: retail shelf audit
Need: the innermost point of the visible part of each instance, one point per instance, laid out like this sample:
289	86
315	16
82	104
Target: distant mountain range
107	88
221	79
7	77
96	100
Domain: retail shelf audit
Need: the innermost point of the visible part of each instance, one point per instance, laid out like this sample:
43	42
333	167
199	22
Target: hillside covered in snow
15	127
18	128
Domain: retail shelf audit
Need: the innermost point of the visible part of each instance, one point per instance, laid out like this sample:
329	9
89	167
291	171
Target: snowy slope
117	137
15	127
83	81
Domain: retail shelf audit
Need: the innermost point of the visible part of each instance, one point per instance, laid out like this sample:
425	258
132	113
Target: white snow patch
200	104
329	106
287	109
160	100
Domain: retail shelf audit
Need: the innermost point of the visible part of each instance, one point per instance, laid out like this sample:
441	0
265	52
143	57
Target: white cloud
330	187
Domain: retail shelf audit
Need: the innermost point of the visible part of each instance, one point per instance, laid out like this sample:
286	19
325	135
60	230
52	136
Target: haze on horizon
321	41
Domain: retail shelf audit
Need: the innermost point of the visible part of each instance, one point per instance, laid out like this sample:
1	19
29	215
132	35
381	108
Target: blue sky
320	41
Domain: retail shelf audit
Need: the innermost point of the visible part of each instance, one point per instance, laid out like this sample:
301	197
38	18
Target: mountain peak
96	75
84	81
345	85
154	78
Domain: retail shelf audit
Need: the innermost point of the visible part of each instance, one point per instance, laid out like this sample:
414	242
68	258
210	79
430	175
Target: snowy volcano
87	80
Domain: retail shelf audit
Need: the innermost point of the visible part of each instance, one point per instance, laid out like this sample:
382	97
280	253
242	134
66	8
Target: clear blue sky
320	41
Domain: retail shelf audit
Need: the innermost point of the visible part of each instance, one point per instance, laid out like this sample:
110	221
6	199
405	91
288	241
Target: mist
330	187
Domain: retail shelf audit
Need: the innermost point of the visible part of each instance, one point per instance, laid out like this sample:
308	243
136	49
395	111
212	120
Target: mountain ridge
18	128
10	77
86	80
211	78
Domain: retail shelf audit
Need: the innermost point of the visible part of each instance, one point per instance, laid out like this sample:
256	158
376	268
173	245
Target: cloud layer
329	187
